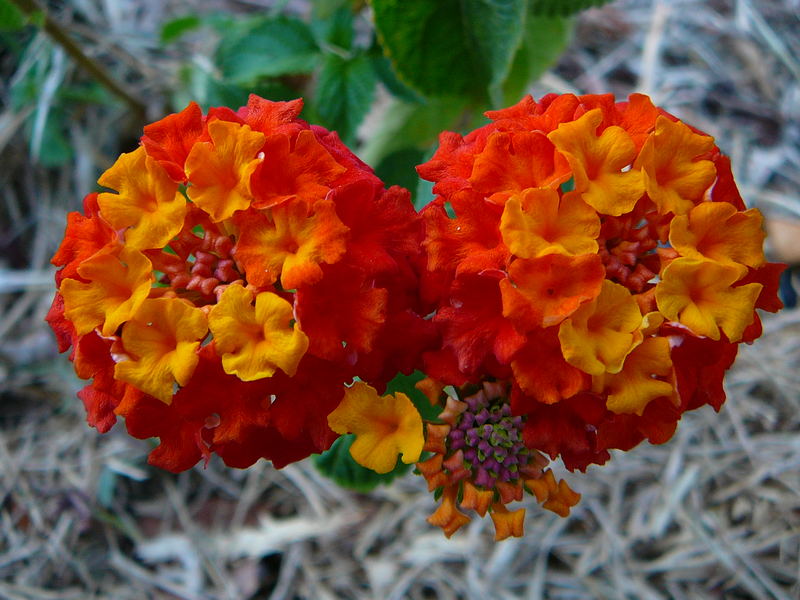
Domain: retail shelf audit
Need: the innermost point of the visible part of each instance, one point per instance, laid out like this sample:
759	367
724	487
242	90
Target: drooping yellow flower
220	170
632	389
255	340
718	231
119	280
162	340
700	295
148	202
598	336
385	427
597	163
673	176
538	222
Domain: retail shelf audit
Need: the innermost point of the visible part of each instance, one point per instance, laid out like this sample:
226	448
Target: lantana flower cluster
242	268
592	269
246	286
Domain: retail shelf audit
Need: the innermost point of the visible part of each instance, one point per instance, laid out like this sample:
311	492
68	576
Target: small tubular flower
544	291
220	170
148	201
636	385
597	163
307	171
255	340
675	177
627	270
598	336
162	341
538	222
385	427
719	232
514	162
701	295
119	280
247	271
291	245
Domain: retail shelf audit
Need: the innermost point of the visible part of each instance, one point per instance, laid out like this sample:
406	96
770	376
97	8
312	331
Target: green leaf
544	41
407	124
450	47
387	76
335	29
339	465
344	94
406	385
11	17
175	28
325	8
398	169
563	8
267	48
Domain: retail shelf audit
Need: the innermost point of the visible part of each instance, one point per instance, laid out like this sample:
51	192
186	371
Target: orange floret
254	341
555	496
300	168
289	243
119	280
507	523
542	292
601	333
385	427
700	295
674	176
513	162
161	340
539	222
220	170
447	516
598	161
148	201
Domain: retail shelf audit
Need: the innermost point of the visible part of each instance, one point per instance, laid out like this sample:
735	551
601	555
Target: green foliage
339	465
405	384
450	47
398	168
335	30
563	8
11	17
544	40
267	47
172	30
442	63
344	93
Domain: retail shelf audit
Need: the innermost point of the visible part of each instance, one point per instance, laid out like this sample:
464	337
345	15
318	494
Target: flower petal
598	336
597	162
674	176
220	170
384	427
254	341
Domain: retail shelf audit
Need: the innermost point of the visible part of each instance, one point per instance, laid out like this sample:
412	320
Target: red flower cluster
596	258
245	268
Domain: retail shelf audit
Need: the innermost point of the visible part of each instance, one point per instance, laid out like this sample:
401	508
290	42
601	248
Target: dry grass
715	513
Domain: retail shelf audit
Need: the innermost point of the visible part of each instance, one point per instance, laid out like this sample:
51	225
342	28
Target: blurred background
715	513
